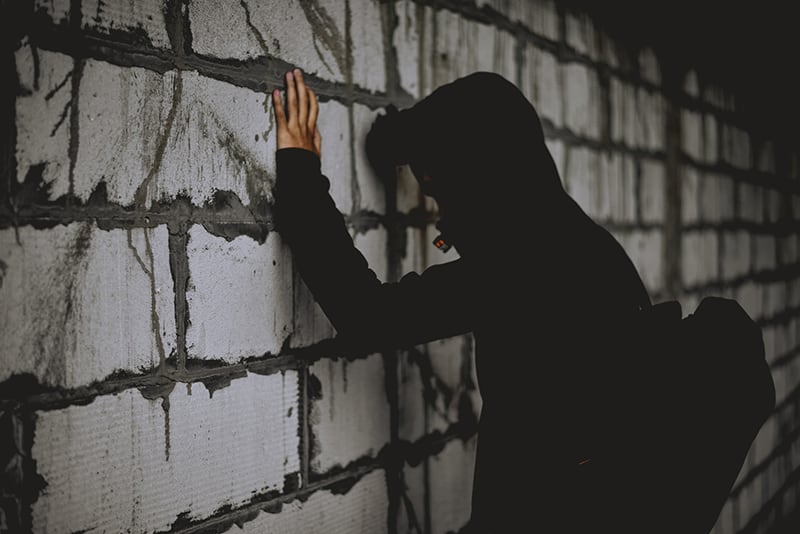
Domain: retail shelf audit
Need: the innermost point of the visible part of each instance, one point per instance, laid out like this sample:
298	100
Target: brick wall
163	367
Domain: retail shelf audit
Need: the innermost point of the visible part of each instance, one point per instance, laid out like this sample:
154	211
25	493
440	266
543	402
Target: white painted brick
580	33
363	509
221	136
461	47
539	16
751	298
764	256
649	67
725	519
645	250
620	181
716	198
691	134
690	195
42	131
582	178
786	379
333	124
126	463
581	100
56	10
690	84
735	254
710	146
80	303
623	112
611	52
652	190
699	257
450	479
558	153
239	296
371	189
310	36
650	119
449	358
144	19
541	83
350	420
751	203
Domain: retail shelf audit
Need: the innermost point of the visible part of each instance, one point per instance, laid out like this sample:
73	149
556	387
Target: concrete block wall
165	369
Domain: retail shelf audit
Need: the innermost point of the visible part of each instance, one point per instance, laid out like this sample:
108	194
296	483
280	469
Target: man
546	292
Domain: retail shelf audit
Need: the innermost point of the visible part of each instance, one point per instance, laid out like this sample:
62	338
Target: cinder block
452	362
311	325
735	147
710	145
142	21
699	257
176	134
766	439
411	402
581	100
310	36
773	201
649	68
777	298
43	118
460	47
735	254
333	124
751	203
80	303
129	463
691	134
788	250
580	33
413	509
582	178
56	10
558	153
541	83
652	190
362	509
751	297
690	195
650	119
539	16
408	34
764	257
618	179
765	157
690	84
645	250
371	192
409	195
350	414
623	112
716	198
450	492
239	296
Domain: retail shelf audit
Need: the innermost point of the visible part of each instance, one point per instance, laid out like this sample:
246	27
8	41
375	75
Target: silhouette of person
546	292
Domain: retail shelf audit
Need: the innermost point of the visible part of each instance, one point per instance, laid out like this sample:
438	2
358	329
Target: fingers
313	110
291	99
277	107
317	141
302	99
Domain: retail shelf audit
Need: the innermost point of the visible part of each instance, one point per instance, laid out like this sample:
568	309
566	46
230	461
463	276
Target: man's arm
368	313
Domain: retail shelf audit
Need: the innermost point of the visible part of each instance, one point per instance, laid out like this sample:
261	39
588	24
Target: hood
481	142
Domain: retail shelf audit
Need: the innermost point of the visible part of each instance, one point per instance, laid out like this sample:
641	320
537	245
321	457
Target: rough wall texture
163	367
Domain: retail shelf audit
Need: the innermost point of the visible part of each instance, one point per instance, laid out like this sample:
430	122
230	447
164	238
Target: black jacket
546	292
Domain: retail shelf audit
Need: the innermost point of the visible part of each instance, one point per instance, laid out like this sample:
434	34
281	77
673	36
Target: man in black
546	292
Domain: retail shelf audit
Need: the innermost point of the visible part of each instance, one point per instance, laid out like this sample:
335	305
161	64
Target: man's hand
297	127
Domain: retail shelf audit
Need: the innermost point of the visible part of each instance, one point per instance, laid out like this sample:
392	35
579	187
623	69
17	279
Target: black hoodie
546	292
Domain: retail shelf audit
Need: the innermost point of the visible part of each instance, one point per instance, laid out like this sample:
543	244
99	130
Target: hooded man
546	292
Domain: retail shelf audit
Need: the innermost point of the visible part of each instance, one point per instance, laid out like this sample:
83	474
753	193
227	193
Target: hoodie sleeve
365	312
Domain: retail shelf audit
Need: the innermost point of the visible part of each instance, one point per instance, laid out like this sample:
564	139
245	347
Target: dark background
749	46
